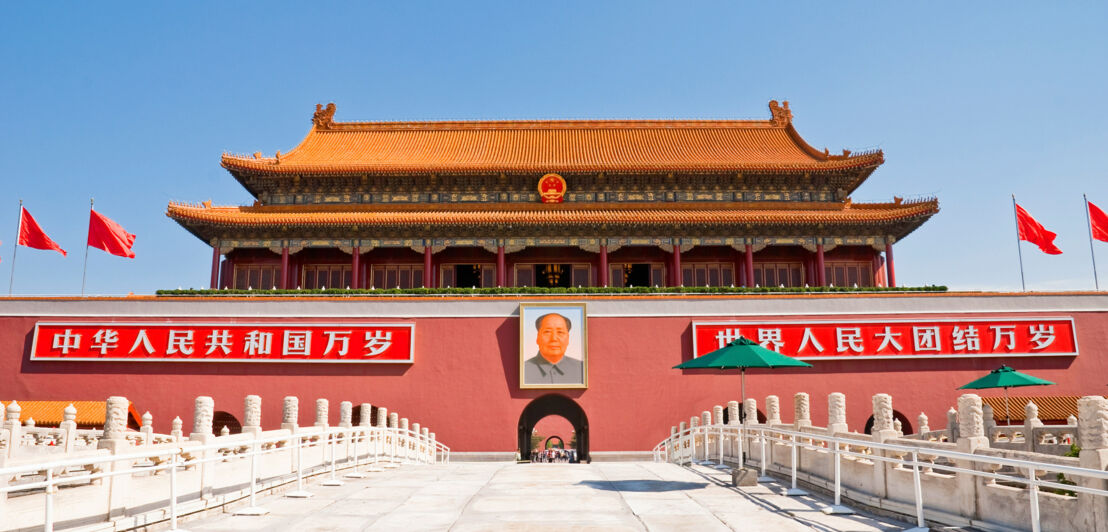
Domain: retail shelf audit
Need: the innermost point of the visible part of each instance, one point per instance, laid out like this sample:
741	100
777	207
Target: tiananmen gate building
521	205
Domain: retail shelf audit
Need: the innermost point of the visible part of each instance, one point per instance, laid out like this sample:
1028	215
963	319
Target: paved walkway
499	496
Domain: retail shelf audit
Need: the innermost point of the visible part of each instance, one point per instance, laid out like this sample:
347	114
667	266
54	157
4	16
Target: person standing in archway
551	365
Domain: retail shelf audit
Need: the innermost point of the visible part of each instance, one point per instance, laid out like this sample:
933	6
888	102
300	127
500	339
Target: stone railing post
176	431
1031	422
11	424
394	420
717	415
921	422
952	425
989	419
346	414
202	416
365	415
115	424
1093	439
321	413
290	414
115	441
425	435
147	429
883	428
750	411
705	418
802	411
733	417
773	410
252	415
836	413
971	436
69	428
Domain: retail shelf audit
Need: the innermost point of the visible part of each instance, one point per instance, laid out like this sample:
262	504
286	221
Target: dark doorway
222	419
553	405
636	275
467	275
553	275
905	425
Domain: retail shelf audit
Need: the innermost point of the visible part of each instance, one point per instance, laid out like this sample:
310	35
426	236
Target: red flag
109	236
1034	232
32	236
1098	223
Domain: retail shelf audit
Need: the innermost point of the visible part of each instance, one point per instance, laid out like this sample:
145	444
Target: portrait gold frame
528	313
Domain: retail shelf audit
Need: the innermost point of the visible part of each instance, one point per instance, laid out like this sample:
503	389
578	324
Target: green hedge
547	291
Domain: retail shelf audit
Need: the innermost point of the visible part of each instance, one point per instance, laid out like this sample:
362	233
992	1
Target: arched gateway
553	405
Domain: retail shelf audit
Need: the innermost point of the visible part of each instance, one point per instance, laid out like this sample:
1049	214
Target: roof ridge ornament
324	117
780	113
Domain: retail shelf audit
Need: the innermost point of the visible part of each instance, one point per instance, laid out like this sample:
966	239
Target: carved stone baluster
836	413
252	417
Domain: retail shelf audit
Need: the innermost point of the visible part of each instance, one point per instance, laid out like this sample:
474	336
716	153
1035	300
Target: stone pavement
503	496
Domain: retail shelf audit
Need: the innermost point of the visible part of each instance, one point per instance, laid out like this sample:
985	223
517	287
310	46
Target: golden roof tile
50	413
537	146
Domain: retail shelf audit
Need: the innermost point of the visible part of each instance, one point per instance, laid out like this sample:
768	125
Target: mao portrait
552	349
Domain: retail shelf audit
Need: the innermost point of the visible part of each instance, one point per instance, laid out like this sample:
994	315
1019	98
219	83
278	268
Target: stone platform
501	496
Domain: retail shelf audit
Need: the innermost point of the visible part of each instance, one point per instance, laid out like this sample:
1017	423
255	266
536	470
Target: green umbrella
1004	377
742	353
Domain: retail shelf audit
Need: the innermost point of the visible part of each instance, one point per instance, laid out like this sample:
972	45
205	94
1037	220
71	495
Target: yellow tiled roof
539	146
51	412
1051	407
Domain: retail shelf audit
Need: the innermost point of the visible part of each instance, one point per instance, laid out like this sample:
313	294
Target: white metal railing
702	442
360	446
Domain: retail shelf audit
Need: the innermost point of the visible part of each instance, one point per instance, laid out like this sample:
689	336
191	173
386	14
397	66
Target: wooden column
676	264
821	274
889	264
215	267
284	267
427	273
356	268
602	276
748	264
501	267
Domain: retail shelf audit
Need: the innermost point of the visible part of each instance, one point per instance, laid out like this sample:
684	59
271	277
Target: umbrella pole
742	406
1007	418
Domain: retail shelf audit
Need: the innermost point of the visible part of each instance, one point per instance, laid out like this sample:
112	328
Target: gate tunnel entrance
553	405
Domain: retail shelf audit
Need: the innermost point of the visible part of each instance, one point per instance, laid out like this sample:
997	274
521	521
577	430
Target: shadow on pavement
642	485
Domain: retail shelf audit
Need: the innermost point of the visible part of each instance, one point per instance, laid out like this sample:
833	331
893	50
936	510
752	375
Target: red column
427	274
889	264
603	273
284	267
501	267
676	264
227	274
821	274
215	267
356	268
748	265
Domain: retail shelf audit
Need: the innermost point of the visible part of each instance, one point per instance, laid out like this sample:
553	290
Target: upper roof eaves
570	146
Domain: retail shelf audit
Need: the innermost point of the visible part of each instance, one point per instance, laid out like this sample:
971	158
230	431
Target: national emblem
552	188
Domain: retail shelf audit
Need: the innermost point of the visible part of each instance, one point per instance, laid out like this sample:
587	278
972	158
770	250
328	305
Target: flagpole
1015	215
15	246
1089	225
84	271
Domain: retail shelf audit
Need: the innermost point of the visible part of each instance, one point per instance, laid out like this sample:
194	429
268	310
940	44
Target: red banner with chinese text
223	342
942	338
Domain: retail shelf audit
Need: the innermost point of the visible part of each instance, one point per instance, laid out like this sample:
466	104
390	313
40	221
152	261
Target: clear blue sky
970	102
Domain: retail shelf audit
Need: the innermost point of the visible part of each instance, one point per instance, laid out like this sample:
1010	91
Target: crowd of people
554	456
